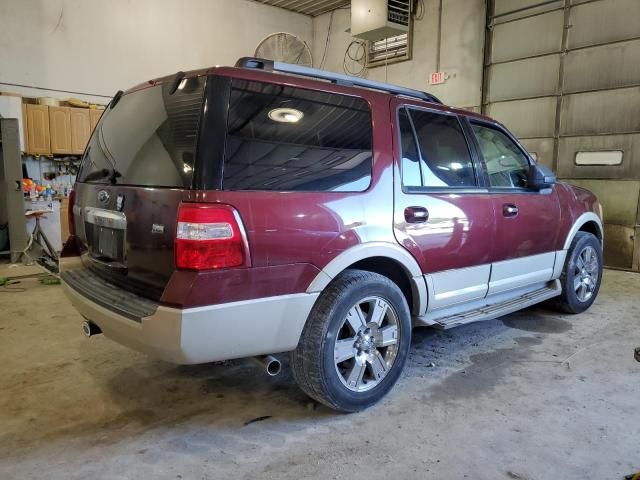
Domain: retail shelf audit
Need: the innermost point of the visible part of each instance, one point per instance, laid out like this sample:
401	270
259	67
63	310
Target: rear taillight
72	202
209	236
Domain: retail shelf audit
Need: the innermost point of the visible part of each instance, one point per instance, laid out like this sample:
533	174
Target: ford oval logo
103	196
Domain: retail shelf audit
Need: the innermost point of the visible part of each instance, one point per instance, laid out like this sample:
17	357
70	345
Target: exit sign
437	78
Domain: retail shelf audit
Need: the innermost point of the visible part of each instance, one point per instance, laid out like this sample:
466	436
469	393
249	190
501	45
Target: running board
489	312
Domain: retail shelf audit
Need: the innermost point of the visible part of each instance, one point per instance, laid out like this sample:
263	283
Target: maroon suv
267	208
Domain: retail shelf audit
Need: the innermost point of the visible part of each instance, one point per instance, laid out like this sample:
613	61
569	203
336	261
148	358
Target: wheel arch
387	259
587	222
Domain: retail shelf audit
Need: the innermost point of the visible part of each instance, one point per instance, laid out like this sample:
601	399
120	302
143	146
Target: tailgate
136	169
131	247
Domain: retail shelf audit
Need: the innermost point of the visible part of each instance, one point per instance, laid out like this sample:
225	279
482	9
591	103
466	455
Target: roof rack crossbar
338	78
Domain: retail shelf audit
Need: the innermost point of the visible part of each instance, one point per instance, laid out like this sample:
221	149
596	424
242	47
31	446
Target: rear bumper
205	334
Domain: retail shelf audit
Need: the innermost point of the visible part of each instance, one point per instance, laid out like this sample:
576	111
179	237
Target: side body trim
376	249
241	329
522	271
580	221
452	292
561	256
455	286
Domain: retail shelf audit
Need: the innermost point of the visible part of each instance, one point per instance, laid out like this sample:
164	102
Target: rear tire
355	343
581	275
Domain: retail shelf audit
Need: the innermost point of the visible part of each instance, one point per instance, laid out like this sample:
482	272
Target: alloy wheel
586	273
367	344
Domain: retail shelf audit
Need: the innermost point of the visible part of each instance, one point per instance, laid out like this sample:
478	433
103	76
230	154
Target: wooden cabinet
80	129
58	130
95	116
25	132
38	138
60	125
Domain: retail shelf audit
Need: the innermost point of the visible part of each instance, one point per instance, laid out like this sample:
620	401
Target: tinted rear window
290	139
149	138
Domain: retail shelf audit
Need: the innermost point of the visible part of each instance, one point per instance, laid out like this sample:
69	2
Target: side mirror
540	177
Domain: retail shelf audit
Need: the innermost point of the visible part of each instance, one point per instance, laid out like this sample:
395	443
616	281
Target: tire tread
307	358
563	303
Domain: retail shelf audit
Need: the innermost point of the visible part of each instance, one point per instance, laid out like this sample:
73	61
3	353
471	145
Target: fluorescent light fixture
286	115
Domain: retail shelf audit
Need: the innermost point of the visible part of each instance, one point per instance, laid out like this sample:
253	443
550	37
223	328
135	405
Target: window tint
283	138
444	150
149	138
507	165
411	171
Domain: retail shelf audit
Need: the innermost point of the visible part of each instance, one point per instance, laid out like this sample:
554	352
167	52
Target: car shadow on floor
121	394
236	392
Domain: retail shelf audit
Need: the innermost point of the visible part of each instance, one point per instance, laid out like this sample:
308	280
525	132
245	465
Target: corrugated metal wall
565	77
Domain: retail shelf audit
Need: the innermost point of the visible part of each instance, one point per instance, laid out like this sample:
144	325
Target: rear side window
149	138
291	139
446	161
411	163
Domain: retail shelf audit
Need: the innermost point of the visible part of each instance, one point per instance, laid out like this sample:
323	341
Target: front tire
355	343
582	274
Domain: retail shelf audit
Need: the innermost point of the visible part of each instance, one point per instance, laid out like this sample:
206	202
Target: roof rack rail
337	78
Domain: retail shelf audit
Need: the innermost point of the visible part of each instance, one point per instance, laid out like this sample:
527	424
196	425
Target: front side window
446	161
281	138
507	165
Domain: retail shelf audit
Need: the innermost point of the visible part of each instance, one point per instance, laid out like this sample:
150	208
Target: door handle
509	210
416	214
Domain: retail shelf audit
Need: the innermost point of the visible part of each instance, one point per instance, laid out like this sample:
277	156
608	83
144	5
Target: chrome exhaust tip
89	329
269	364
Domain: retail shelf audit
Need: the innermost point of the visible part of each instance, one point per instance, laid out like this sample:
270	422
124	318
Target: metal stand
39	236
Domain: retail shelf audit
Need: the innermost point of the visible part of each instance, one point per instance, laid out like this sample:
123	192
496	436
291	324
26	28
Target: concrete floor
535	395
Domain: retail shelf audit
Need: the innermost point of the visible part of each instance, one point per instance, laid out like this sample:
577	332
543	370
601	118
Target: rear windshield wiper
110	174
114	174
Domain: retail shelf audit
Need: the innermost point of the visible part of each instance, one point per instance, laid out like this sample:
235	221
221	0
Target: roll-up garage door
564	76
